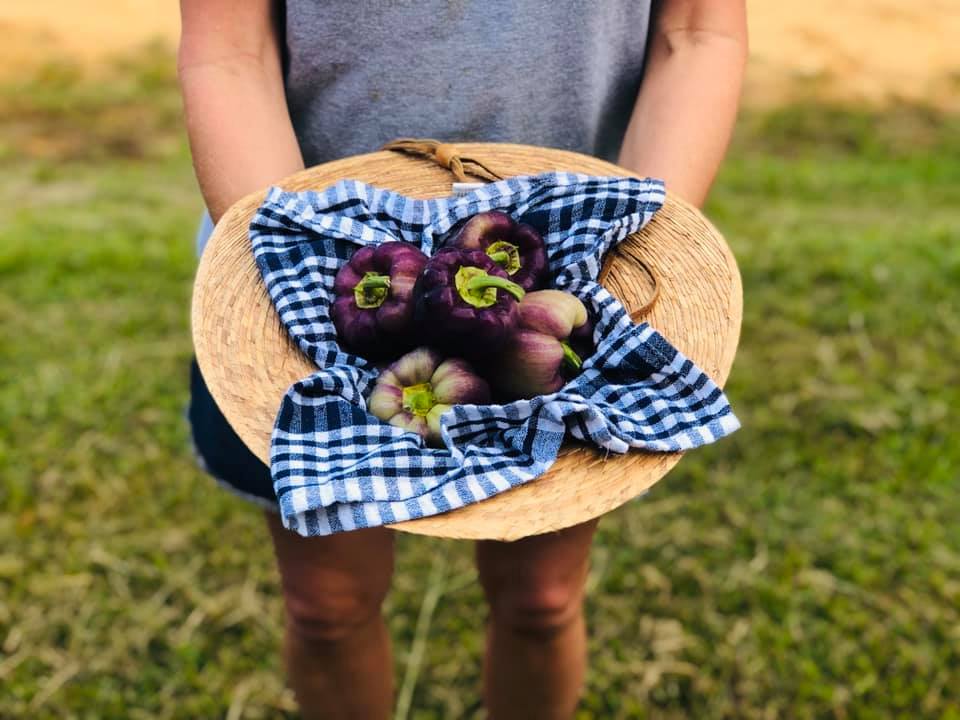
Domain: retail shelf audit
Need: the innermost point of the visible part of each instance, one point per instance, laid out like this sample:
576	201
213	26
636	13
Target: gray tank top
556	73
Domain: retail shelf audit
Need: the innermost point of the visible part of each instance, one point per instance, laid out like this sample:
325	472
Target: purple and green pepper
546	350
419	387
373	309
516	247
476	309
466	305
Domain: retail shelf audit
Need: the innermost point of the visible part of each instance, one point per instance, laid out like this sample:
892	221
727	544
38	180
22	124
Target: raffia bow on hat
249	361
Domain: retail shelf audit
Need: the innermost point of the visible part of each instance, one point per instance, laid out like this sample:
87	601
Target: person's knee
540	612
331	617
333	586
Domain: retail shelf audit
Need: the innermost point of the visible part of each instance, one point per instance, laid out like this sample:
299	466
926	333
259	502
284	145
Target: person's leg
337	647
536	634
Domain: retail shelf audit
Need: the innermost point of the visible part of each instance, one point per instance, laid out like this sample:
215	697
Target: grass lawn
807	567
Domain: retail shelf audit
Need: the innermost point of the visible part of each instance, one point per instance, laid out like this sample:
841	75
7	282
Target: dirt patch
860	50
88	32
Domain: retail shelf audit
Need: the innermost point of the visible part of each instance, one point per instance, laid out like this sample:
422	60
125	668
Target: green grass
807	567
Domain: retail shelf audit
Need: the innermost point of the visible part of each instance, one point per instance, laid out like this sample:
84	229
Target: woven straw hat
679	259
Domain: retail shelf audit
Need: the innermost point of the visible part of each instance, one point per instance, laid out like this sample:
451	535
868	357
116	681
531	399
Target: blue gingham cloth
335	467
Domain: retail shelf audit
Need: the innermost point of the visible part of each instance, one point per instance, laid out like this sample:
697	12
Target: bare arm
681	124
230	73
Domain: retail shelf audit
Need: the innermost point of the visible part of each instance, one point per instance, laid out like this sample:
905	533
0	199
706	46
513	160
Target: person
271	87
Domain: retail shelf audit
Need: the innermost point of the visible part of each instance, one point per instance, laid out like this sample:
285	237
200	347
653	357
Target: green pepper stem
570	357
372	290
373	281
506	255
483	281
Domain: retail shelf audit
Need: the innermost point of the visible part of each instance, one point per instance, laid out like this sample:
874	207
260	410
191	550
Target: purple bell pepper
516	247
466	305
373	306
540	357
420	387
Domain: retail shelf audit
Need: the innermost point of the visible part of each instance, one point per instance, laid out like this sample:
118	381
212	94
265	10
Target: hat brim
248	361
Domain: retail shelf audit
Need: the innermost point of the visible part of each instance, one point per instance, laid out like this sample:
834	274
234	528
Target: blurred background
809	566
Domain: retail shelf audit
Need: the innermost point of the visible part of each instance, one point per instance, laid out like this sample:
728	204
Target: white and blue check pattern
335	467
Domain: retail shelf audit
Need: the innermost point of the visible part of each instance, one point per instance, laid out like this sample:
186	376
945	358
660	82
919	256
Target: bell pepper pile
472	324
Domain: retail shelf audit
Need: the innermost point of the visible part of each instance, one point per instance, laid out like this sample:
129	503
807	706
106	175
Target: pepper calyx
570	357
372	290
418	399
478	288
505	254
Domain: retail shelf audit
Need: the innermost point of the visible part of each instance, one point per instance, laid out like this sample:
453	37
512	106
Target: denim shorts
218	449
221	453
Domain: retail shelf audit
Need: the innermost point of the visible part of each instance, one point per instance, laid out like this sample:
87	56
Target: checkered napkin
335	467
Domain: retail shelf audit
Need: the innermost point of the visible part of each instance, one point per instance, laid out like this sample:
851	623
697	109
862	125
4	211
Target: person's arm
230	74
684	115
